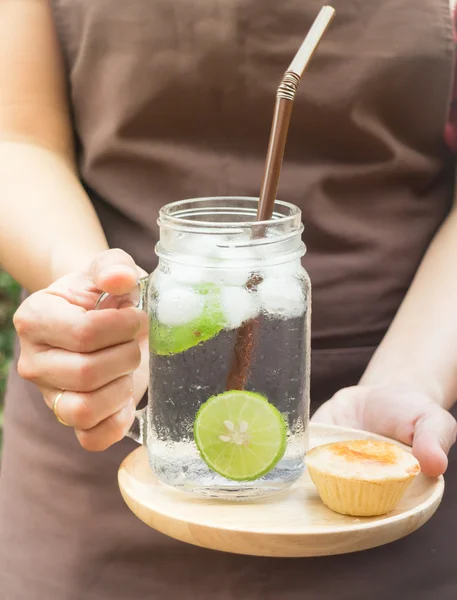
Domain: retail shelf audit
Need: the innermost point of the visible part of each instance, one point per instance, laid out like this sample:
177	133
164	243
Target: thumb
114	271
434	434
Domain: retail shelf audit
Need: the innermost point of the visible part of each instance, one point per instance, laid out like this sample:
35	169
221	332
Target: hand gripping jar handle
137	431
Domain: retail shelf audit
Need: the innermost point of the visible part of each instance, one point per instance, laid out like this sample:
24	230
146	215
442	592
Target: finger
342	409
59	369
109	431
434	434
86	410
52	321
325	414
39	310
114	271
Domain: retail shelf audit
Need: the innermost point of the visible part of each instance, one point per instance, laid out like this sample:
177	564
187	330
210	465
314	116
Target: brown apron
173	99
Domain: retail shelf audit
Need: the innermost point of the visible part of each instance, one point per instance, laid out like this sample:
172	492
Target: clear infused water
186	371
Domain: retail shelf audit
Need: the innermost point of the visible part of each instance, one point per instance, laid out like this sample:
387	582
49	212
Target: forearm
48	226
420	349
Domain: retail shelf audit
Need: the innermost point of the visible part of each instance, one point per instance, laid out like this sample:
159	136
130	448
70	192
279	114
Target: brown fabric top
173	99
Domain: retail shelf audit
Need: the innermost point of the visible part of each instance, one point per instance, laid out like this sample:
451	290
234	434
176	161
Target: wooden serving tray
291	524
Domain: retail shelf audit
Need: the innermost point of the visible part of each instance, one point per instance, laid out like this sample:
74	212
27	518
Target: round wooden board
292	524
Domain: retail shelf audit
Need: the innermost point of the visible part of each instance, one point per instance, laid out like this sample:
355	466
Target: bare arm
420	348
411	381
47	224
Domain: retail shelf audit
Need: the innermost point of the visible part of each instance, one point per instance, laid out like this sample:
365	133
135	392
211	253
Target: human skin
52	242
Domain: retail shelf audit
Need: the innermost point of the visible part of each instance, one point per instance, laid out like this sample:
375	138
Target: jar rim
176	214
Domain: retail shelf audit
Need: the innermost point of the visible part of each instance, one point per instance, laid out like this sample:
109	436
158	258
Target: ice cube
178	305
287	269
235	269
282	297
190	274
282	270
199	244
238	306
227	277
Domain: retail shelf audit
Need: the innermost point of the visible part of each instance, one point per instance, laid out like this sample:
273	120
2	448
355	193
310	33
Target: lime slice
172	339
240	435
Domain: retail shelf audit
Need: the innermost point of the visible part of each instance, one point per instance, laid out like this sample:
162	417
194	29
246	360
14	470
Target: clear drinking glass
229	334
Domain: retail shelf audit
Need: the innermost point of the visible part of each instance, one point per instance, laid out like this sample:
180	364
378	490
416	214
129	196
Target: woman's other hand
407	416
98	357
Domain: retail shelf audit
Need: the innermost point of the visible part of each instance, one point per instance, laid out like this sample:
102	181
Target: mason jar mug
229	338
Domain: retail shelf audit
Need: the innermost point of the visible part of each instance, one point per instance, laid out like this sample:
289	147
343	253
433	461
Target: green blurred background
9	299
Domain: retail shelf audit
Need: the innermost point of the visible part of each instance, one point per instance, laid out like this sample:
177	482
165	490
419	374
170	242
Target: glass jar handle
137	431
